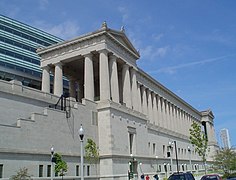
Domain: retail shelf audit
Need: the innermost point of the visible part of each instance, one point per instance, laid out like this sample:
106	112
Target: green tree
226	159
199	140
60	165
91	152
21	174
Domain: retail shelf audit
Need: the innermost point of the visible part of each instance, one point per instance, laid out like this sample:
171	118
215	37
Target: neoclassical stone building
130	115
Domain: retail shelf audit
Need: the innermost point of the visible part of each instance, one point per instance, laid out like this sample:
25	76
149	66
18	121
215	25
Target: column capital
104	51
125	65
89	55
47	68
113	57
143	87
59	64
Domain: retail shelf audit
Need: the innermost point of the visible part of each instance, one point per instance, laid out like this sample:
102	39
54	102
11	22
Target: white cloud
65	30
157	37
43	4
124	12
173	69
151	52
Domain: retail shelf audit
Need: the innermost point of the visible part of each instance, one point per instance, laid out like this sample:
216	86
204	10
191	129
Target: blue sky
187	45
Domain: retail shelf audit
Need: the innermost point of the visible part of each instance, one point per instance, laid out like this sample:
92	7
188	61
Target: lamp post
81	135
171	160
157	163
132	166
176	155
52	153
190	158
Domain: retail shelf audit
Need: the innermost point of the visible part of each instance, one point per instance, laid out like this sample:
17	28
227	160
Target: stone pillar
46	79
88	77
155	112
104	75
171	117
164	113
58	81
144	103
126	86
72	87
150	113
134	90
139	98
114	80
168	115
160	123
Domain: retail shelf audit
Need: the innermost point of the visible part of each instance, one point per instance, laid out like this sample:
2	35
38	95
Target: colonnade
126	90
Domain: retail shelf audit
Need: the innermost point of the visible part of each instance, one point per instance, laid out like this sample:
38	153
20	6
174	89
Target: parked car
181	176
211	177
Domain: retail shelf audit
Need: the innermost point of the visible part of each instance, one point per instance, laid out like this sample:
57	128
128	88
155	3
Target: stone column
144	103
114	80
164	113
58	81
126	86
155	112
46	79
104	75
168	115
139	98
150	113
160	123
134	90
72	87
88	77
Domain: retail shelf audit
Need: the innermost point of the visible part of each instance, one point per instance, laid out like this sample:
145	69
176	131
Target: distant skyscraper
224	136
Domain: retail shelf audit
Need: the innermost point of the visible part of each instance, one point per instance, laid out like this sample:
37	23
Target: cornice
121	53
164	92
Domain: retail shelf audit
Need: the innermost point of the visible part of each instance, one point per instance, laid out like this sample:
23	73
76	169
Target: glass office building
18	58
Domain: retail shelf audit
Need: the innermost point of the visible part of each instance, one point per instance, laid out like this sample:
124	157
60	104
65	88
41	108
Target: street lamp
157	163
170	155
176	155
190	158
81	135
52	153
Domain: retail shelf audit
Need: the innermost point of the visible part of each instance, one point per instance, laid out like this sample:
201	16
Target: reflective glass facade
18	58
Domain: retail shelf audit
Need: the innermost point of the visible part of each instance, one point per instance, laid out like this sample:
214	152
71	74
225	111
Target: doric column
88	77
150	113
114	80
134	90
126	85
139	98
160	123
168	115
144	102
164	113
178	119
46	79
104	75
58	81
155	112
72	87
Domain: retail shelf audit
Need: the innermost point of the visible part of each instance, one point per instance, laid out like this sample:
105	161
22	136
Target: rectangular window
88	170
49	171
164	150
131	138
154	149
77	170
40	170
1	170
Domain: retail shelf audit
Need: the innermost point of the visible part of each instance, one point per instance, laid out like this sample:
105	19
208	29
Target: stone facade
129	115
